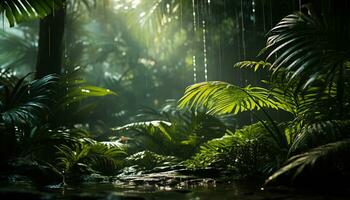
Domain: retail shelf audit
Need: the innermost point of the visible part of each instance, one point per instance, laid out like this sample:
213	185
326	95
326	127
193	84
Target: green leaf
253	65
307	50
17	11
331	155
222	98
81	92
149	127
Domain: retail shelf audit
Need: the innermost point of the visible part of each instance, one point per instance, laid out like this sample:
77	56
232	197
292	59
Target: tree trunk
50	50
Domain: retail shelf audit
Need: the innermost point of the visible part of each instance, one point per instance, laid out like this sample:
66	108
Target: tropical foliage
29	111
302	89
311	123
24	103
17	11
312	49
315	54
93	156
249	151
309	74
324	163
298	115
179	136
223	98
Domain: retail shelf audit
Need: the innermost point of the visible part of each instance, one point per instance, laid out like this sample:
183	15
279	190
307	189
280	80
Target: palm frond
329	158
24	103
17	11
310	49
314	103
319	133
75	89
222	98
256	65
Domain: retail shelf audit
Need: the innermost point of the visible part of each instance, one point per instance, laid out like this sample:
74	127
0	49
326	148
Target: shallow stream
109	191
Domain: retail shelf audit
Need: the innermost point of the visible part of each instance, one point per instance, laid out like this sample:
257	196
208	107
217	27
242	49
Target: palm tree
50	49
